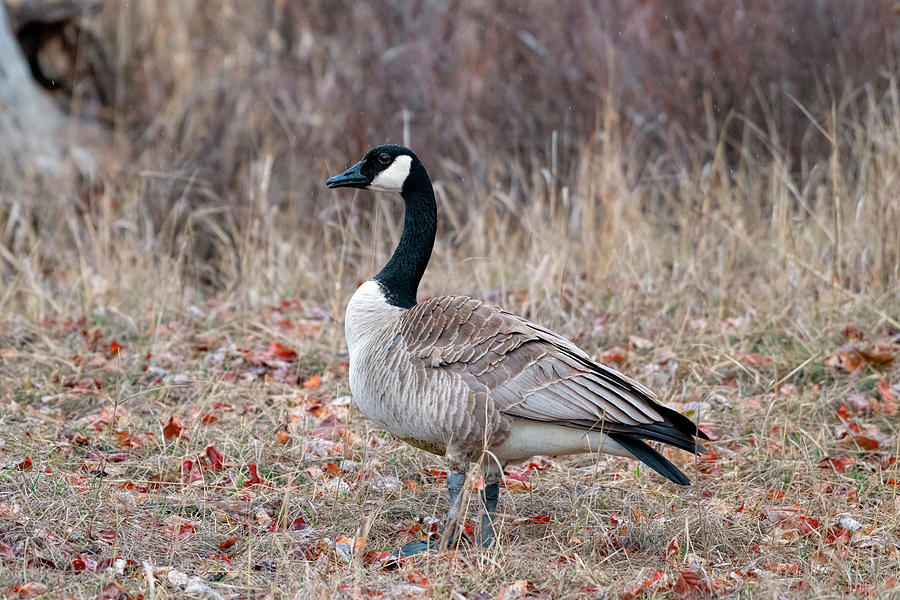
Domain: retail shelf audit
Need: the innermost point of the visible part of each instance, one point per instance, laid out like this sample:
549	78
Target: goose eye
384	158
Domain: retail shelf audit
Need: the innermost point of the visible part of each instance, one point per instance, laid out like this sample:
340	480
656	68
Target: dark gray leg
450	537
489	498
493	474
456	481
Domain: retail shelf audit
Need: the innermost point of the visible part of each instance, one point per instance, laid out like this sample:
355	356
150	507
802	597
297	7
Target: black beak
352	177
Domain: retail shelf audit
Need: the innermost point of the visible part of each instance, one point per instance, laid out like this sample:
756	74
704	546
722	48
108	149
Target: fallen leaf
888	404
313	382
838	464
174	429
212	459
686	586
279	351
228	543
845	358
754	359
29	590
617	355
864	435
254	477
25	465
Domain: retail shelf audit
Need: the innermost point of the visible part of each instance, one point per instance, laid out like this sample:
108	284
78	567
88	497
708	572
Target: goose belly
528	438
399	401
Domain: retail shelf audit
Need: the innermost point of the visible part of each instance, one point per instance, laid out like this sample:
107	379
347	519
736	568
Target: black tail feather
665	433
651	458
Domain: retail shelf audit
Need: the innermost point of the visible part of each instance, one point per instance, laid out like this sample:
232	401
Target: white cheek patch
392	178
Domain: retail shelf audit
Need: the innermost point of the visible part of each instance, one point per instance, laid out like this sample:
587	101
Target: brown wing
533	373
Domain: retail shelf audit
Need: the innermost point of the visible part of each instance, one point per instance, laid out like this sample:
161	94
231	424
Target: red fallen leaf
775	494
185	531
313	382
687	583
754	359
633	591
333	469
25	465
539	519
298	525
672	549
112	591
836	534
415	577
212	459
441	475
107	534
709	432
83	562
518	475
174	429
617	355
190	473
228	543
88	383
807	524
283	438
866	435
838	464
783	568
279	351
740	508
888	404
225	557
208	419
29	590
254	477
845	358
469	530
843	412
115	347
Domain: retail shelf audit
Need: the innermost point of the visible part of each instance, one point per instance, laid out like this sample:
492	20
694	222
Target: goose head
383	168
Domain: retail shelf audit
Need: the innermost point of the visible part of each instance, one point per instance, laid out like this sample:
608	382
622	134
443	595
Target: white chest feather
368	316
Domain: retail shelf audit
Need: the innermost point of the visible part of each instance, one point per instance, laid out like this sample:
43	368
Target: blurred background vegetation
212	125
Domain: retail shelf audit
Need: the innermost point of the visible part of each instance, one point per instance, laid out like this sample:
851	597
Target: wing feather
530	371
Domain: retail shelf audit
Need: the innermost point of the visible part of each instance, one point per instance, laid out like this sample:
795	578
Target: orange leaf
313	382
754	359
29	590
25	465
228	543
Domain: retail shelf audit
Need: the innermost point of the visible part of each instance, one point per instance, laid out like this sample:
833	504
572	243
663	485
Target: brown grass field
175	419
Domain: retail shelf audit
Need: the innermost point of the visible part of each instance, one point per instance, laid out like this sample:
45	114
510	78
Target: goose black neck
400	277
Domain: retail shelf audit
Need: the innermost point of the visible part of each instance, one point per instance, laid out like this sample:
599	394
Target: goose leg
452	531
451	534
493	473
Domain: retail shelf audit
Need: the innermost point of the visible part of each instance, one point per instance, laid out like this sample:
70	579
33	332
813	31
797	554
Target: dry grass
725	274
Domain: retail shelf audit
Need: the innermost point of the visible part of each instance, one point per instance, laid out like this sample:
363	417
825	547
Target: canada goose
467	380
